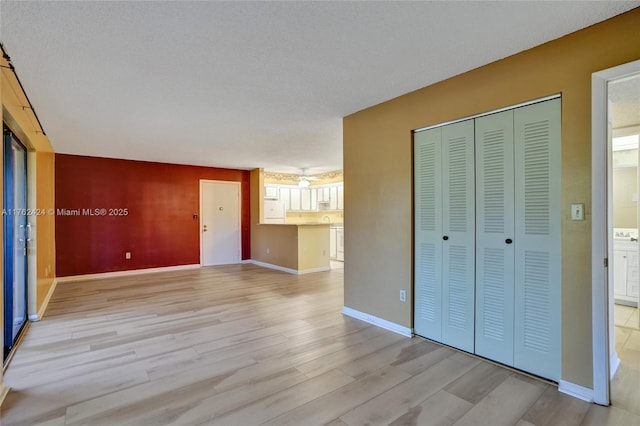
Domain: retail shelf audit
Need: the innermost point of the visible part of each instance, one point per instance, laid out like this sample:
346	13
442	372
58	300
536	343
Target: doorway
220	230
16	237
615	133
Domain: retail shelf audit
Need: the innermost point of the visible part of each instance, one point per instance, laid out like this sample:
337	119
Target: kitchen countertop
294	224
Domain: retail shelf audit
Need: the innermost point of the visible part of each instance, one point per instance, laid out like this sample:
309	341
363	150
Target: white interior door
458	240
220	232
538	239
494	237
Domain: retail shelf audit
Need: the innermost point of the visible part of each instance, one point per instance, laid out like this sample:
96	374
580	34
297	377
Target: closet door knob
445	238
508	241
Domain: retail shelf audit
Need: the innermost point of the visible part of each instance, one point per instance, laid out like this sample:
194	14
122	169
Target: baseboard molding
614	363
382	323
4	390
287	270
576	391
314	270
126	273
38	316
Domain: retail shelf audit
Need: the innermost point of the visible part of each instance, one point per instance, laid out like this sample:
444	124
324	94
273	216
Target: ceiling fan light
303	183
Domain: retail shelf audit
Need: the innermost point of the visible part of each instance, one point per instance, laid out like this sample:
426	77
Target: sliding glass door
16	236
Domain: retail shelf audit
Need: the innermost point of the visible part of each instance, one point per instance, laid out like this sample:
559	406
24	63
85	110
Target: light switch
577	211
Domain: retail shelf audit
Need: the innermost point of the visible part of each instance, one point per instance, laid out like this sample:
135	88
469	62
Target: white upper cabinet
271	192
320	197
295	204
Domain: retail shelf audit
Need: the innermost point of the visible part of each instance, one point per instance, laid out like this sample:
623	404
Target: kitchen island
293	248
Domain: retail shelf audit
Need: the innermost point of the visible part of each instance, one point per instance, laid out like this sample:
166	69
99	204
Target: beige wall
378	171
22	122
313	247
45	225
625	189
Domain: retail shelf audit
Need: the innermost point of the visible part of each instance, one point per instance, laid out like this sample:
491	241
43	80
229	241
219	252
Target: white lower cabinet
625	272
487	236
340	244
333	243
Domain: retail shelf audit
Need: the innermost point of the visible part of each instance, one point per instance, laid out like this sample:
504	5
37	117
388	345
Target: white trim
575	391
614	364
126	273
287	270
239	185
314	270
45	303
4	391
600	238
382	323
483	114
271	266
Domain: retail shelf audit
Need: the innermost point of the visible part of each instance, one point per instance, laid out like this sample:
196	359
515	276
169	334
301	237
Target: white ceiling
252	84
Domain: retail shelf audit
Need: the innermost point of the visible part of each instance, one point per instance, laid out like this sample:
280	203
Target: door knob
445	238
508	241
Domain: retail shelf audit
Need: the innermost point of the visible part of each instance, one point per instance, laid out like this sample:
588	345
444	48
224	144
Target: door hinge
606	262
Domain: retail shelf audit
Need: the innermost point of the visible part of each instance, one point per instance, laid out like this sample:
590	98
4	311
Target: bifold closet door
445	234
458	239
538	239
428	233
495	237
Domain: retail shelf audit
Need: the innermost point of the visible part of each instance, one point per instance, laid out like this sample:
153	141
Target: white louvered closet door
428	234
538	239
458	239
495	237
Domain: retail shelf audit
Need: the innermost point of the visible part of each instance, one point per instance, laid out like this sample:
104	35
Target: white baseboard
271	266
4	390
287	270
614	363
313	270
382	323
126	273
38	316
576	391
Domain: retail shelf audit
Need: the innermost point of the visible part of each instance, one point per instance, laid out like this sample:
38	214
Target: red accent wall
159	229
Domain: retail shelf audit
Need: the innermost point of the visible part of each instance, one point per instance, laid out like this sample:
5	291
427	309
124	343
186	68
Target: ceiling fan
304	180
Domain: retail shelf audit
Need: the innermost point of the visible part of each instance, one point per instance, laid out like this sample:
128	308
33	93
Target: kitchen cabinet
271	192
316	198
295	203
333	243
333	198
625	272
285	197
305	199
340	244
324	194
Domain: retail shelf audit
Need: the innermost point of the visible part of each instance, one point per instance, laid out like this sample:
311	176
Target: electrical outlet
403	295
127	255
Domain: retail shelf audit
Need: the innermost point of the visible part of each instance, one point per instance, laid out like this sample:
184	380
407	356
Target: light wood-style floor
242	345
